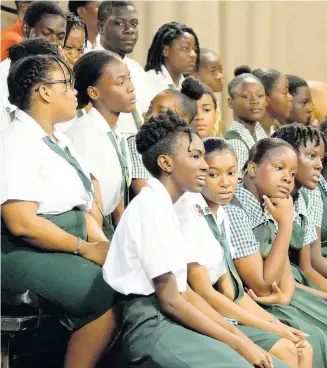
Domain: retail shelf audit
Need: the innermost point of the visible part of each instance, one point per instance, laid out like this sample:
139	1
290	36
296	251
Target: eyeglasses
68	83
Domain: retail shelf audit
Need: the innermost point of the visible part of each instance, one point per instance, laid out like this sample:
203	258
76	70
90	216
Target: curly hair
26	73
38	9
158	136
87	71
298	134
165	35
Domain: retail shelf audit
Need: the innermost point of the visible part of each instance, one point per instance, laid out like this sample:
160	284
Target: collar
158	188
100	124
248	138
168	78
323	184
300	207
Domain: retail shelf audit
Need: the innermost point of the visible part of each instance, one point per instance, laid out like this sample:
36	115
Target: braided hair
32	46
26	73
165	35
75	21
87	71
38	9
241	73
158	136
298	134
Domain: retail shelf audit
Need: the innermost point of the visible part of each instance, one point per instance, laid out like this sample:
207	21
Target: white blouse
90	136
32	171
147	243
201	243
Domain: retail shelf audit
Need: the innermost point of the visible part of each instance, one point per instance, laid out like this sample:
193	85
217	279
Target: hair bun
192	88
16	52
243	69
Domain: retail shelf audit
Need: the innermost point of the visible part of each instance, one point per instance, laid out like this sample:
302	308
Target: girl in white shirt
102	78
206	228
51	243
165	323
174	51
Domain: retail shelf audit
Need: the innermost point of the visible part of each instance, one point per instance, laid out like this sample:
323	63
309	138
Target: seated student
118	23
43	19
51	242
102	78
174	51
310	147
248	101
261	218
87	11
302	102
165	323
210	73
75	39
13	34
184	103
278	97
206	228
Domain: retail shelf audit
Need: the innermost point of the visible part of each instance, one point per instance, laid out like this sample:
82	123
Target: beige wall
290	36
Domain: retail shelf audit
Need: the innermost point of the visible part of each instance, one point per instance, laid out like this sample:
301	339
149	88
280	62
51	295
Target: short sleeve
242	154
315	206
243	240
21	168
310	233
138	169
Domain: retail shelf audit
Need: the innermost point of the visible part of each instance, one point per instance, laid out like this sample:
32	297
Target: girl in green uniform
310	147
51	241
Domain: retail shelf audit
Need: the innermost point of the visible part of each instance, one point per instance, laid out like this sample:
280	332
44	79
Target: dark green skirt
150	339
72	283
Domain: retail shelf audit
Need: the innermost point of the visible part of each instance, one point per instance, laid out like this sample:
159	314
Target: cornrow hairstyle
87	71
241	73
192	90
38	9
158	136
268	77
217	144
262	148
26	73
208	91
74	5
298	134
32	46
165	35
295	82
75	21
106	8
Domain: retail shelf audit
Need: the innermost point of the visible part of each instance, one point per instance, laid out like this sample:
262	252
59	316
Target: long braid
165	35
74	21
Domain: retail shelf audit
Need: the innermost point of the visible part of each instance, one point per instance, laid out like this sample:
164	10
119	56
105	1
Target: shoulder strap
305	197
233	134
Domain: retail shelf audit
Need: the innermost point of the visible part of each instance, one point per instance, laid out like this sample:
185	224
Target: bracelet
79	243
274	320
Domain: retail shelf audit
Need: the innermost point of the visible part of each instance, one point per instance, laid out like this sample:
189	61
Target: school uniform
148	243
322	185
89	47
208	241
242	141
138	169
253	230
32	170
162	80
7	110
97	144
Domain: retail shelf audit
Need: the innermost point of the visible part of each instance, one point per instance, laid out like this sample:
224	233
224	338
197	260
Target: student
43	19
319	98
278	97
184	103
51	242
302	102
310	147
88	12
75	39
210	73
165	323
174	51
103	79
119	30
206	228
322	185
248	101
261	247
13	34
205	119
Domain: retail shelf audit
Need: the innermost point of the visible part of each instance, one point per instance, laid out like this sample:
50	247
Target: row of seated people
179	262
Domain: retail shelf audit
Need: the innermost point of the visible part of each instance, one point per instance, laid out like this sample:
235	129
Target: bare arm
322	294
319	263
306	266
118	211
21	220
95	212
137	185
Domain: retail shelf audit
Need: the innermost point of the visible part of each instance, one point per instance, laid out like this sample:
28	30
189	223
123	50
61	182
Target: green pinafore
324	222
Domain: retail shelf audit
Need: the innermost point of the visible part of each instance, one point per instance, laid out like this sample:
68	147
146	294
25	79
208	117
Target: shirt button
8	109
269	241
